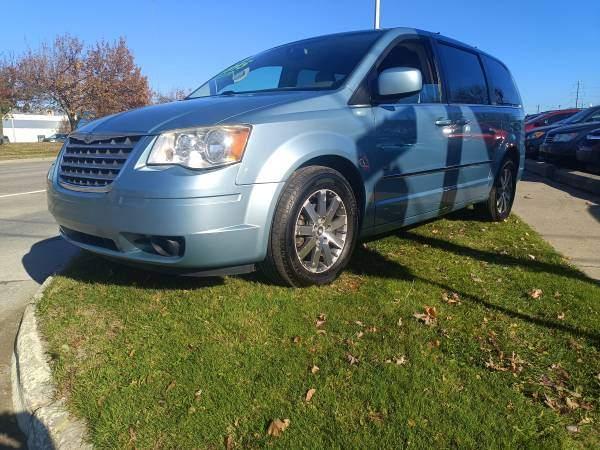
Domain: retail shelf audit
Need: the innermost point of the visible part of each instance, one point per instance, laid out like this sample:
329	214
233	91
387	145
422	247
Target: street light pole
377	9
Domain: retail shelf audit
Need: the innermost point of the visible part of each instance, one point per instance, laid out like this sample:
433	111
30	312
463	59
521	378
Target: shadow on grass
371	263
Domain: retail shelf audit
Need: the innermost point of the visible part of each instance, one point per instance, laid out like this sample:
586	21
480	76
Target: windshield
575	118
313	64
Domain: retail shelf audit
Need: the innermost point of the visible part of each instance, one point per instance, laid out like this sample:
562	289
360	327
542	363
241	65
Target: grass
29	150
156	361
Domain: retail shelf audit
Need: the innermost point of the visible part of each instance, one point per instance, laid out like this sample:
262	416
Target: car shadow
47	257
369	262
11	436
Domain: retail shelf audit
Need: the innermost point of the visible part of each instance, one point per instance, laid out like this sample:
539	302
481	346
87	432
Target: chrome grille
92	163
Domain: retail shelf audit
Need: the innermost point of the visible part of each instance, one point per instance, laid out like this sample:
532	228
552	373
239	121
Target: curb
573	178
43	419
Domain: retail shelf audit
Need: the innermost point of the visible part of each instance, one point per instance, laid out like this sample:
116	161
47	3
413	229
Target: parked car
535	138
588	152
285	159
58	137
561	143
550	117
529	117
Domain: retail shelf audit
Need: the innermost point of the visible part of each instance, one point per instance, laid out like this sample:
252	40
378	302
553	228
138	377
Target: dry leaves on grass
429	317
277	427
314	369
399	361
535	293
320	320
512	364
451	298
558	395
352	359
309	394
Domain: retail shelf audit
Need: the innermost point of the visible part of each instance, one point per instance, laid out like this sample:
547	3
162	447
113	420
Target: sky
548	45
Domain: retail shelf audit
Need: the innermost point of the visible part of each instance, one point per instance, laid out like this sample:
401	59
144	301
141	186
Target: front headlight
201	148
565	137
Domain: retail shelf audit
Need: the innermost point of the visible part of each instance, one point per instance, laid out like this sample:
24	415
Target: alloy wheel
504	190
321	230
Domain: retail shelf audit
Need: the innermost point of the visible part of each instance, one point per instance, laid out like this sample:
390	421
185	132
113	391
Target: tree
7	90
99	80
172	96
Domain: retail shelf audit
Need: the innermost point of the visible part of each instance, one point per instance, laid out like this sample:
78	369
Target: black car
561	142
588	152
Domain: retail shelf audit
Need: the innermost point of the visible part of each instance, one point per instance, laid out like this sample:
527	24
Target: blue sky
179	44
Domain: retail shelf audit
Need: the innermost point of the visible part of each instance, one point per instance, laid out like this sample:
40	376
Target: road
31	250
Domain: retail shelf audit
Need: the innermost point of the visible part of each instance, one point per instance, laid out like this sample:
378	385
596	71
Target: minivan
284	160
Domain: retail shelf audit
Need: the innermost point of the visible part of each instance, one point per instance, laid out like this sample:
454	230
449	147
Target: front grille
549	139
93	165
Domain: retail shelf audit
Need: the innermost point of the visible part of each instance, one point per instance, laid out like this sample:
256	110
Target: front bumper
218	230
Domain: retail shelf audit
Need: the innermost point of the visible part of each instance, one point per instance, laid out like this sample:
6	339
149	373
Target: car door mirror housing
397	81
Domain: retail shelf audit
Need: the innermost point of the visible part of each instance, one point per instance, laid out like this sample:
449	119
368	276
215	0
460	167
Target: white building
29	127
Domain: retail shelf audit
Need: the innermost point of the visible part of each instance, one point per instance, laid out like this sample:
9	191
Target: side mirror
399	81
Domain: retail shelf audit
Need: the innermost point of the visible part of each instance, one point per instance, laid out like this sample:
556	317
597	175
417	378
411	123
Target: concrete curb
573	178
43	419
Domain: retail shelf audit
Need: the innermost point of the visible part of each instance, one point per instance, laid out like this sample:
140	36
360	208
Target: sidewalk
566	217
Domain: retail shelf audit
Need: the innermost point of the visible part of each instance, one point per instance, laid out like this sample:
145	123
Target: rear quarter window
502	86
464	76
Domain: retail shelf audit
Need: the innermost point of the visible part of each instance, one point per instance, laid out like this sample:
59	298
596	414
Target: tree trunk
72	120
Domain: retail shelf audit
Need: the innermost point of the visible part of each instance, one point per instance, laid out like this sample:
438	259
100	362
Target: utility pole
577	95
377	9
538	108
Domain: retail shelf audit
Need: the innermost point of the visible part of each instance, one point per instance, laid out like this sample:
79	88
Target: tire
305	232
502	194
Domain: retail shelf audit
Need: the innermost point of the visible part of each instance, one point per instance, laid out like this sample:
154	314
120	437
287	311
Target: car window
313	64
416	54
557	118
464	76
594	117
502	86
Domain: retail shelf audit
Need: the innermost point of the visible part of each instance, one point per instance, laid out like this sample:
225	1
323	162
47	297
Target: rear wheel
314	228
502	194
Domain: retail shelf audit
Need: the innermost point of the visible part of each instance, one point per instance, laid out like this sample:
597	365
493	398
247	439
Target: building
30	127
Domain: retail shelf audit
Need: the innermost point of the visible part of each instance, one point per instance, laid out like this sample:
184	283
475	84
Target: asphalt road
30	250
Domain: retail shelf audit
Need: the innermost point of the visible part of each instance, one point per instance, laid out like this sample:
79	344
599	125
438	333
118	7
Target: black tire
283	263
498	209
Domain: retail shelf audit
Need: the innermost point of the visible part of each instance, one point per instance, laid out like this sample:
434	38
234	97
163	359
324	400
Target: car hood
204	111
546	128
576	127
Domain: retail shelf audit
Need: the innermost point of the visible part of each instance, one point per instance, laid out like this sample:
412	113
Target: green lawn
29	150
158	361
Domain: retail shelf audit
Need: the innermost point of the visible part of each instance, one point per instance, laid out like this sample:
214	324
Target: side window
415	53
594	117
502	85
464	76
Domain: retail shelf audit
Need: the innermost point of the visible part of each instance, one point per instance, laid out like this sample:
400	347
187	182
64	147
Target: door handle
444	122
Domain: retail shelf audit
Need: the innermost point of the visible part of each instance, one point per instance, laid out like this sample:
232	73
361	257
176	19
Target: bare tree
99	80
171	96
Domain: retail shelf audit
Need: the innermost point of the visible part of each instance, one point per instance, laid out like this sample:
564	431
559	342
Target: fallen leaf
309	394
277	426
171	386
351	359
435	343
532	257
375	416
314	369
429	317
535	293
399	323
399	361
296	339
359	323
561	316
572	428
452	299
359	334
197	394
411	423
228	442
321	320
476	279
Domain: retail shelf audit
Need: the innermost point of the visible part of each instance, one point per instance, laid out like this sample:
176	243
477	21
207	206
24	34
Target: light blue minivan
285	159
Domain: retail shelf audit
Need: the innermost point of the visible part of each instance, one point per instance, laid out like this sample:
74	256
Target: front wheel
314	228
502	194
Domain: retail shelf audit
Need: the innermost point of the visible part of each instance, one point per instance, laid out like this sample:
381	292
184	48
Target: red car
549	117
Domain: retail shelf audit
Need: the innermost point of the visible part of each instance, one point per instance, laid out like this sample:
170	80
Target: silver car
286	159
